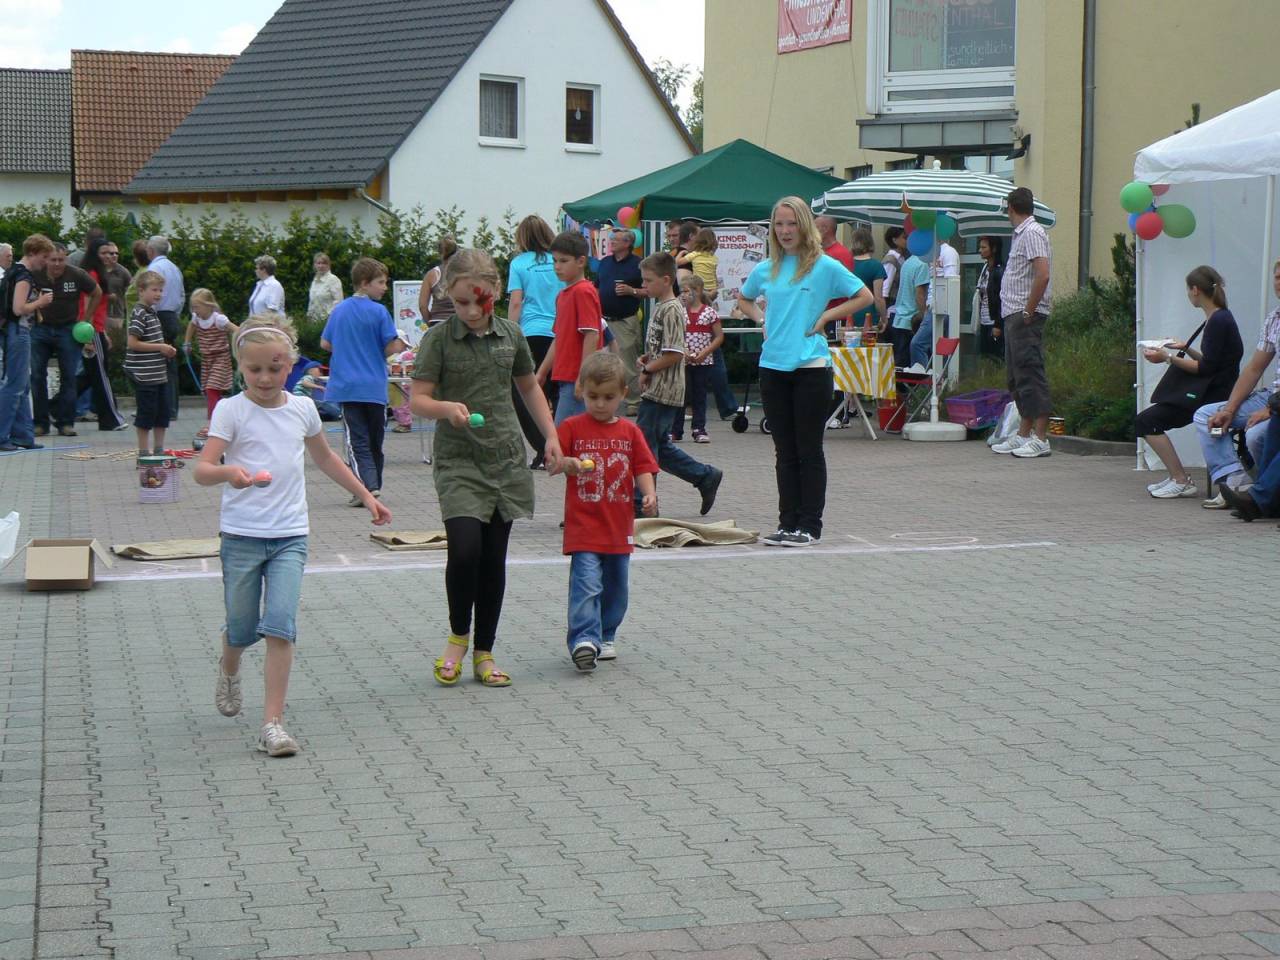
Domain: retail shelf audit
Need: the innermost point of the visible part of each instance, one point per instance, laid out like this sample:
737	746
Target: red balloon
1159	189
1149	225
907	225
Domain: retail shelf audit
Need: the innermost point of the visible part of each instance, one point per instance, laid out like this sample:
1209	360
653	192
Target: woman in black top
991	250
1218	358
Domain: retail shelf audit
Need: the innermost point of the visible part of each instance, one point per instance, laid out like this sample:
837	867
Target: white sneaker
1217	503
1153	487
834	423
606	651
1174	490
274	740
1033	446
1009	445
584	656
915	368
226	694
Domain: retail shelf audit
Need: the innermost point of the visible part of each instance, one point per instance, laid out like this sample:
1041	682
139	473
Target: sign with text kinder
803	24
739	249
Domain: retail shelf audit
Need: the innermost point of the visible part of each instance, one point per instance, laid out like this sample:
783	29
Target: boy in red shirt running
578	327
605	457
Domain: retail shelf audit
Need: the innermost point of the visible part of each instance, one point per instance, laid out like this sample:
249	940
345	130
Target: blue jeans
46	342
1220	452
1266	491
15	386
656	421
329	412
726	402
248	565
922	342
598	596
567	405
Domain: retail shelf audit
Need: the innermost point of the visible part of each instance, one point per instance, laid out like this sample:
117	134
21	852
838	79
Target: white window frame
596	94
880	82
518	142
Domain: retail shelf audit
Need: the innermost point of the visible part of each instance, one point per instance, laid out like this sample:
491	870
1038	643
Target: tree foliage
693	116
671	77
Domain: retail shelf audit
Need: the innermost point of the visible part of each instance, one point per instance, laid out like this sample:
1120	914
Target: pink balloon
1159	189
628	217
1149	225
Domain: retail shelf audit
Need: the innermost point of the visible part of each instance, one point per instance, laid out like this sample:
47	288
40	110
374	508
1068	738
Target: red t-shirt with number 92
599	510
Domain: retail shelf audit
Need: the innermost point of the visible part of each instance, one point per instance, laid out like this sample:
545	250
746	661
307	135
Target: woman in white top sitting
326	290
268	295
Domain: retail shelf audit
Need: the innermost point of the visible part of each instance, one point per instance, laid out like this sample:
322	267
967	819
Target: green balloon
924	219
1179	221
82	332
1136	196
944	227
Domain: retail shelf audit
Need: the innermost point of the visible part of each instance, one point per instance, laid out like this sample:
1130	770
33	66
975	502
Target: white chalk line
659	555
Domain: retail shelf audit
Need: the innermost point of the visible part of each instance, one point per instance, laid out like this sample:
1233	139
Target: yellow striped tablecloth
867	371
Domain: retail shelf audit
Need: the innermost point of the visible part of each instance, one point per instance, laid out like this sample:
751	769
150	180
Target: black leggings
476	576
538	346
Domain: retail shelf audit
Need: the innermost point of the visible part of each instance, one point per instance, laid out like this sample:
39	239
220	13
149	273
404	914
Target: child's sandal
449	672
486	673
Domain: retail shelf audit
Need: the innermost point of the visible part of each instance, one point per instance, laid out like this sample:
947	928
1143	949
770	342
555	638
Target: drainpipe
1086	140
375	204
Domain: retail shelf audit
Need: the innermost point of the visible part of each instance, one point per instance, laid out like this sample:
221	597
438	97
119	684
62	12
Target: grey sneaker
606	651
274	740
226	695
585	656
774	539
798	538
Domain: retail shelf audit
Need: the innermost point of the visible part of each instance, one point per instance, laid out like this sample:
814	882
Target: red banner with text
803	24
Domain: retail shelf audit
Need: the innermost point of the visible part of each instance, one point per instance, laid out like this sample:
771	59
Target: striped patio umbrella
975	200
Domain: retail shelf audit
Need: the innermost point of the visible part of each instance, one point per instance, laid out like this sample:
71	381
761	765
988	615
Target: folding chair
920	386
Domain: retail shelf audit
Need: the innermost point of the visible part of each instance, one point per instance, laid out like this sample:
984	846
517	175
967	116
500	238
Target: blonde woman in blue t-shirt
797	282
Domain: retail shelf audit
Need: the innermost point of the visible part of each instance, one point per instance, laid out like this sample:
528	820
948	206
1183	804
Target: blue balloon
920	242
1133	221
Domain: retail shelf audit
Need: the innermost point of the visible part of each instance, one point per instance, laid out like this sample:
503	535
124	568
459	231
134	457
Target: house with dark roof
35	136
361	105
123	106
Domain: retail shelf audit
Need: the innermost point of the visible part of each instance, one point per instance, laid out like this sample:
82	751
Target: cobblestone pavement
1006	707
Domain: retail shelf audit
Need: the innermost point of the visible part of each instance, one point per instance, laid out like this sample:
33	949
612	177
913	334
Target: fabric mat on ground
411	540
168	549
661	532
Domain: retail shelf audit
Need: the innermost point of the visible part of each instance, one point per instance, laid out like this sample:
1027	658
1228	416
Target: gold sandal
486	673
454	667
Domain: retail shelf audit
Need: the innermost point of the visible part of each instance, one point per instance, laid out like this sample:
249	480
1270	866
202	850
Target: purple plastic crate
977	406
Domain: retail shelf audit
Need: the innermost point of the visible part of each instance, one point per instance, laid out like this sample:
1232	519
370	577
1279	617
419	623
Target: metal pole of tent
1139	368
1266	244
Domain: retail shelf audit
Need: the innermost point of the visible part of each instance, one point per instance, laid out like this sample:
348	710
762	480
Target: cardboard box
63	564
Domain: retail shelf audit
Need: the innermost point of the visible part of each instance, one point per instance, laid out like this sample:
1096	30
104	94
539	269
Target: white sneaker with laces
1033	446
1153	487
1009	445
226	694
607	652
1174	490
274	740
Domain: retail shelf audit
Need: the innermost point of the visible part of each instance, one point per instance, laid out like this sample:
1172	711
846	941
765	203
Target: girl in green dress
463	377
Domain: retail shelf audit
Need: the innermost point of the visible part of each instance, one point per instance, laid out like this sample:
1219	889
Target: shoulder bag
1178	387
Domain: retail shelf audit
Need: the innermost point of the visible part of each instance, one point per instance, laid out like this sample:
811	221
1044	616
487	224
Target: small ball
262	479
587	464
477	420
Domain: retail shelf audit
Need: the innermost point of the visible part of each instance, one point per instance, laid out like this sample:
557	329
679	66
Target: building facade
996	86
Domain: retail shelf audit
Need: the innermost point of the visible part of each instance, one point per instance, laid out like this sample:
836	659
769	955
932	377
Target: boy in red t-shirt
605	457
578	327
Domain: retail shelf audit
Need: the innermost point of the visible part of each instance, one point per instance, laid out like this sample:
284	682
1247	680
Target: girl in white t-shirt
261	434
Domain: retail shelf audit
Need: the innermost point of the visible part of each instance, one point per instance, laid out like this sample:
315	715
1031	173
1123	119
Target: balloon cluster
1147	220
925	227
630	217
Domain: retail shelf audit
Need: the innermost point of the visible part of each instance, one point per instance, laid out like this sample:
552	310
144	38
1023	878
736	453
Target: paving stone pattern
1011	708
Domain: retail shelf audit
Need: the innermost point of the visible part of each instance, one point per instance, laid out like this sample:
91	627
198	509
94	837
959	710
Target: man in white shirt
6	259
168	308
946	264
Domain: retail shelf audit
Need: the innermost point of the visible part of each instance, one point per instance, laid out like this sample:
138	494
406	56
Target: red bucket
892	415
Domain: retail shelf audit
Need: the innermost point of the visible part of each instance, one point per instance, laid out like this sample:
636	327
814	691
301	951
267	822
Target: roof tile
126	104
35	121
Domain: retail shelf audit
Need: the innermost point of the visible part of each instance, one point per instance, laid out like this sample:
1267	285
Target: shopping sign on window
812	23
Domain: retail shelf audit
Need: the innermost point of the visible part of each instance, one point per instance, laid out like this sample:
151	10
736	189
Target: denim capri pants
261	584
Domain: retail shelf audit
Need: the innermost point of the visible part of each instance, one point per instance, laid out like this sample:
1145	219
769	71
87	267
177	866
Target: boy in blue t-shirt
360	335
913	290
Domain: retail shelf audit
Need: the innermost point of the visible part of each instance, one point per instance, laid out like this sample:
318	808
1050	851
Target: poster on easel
404	302
740	247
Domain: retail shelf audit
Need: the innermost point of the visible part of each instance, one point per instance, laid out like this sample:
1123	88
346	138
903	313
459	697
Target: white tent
1225	170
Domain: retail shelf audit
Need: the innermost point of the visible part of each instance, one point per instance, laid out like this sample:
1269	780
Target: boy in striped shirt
146	365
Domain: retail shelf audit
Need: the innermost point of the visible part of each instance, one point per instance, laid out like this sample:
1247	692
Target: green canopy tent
736	182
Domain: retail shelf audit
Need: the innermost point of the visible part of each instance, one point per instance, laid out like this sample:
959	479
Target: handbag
1178	387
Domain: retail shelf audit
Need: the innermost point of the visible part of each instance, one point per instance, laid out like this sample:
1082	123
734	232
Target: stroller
742	422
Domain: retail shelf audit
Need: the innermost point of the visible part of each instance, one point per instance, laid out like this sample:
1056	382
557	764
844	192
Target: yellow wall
1154	59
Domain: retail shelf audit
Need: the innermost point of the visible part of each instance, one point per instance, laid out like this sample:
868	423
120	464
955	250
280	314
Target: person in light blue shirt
533	287
797	283
913	292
